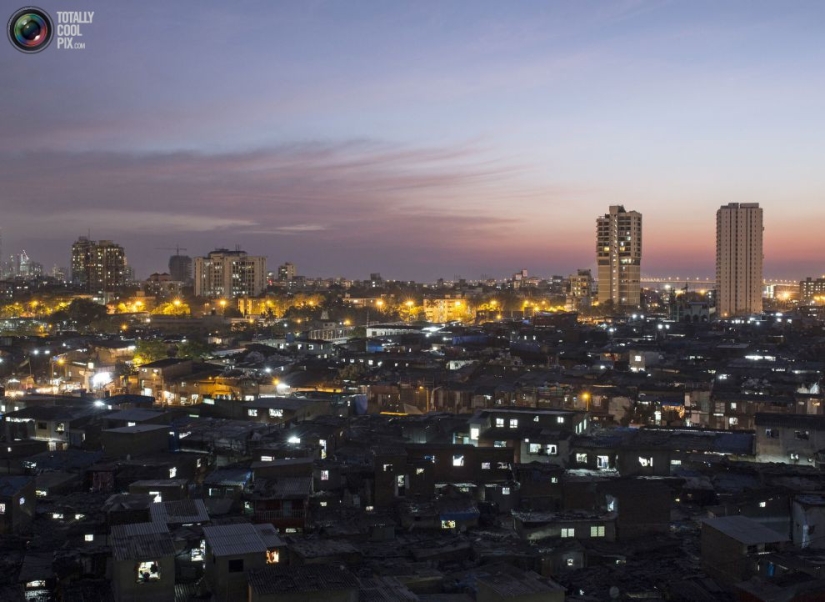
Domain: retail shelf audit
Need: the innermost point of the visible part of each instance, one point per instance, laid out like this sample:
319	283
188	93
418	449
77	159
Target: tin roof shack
52	424
161	490
505	583
731	546
540	486
581	525
284	410
641	505
323	551
17	502
310	583
234	550
789	438
143	563
135	440
127	508
808	516
179	513
281	502
227	483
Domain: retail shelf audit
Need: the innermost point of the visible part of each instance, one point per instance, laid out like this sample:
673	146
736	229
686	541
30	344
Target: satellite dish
614	593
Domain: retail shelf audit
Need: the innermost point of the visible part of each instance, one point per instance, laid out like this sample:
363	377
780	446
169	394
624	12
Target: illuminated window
252	412
513	423
419	471
602	462
325	475
560	419
458	459
535	448
173	472
581	458
323	504
568	532
387	467
157	497
500	422
474	432
448	524
498	444
57	515
505	491
554	479
2	508
552	449
762	504
597	531
485	466
502	465
89	537
266	458
646	462
275	412
273	556
148	571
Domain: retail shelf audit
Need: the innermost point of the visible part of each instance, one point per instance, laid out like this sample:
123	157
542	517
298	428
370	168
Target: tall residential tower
619	257
738	259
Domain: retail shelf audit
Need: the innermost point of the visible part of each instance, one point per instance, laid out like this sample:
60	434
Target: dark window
41	426
236	565
801	435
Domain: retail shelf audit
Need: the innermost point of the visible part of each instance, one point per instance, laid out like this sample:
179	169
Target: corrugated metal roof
310	578
179	511
233	540
143	547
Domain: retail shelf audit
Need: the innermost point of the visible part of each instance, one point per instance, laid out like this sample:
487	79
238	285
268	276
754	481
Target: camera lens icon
30	29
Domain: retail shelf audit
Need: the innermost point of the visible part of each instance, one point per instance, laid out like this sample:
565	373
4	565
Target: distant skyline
417	139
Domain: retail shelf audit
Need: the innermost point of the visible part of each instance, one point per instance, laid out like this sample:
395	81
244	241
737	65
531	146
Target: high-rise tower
619	257
738	259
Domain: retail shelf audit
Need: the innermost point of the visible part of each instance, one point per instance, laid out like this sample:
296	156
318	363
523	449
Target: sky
426	139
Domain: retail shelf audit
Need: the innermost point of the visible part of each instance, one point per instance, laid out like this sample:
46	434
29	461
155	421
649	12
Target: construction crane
177	249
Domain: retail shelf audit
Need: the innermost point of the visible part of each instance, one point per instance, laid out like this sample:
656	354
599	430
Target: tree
193	349
84	312
147	352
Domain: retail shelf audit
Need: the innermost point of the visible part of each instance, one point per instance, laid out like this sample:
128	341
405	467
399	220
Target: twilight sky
420	139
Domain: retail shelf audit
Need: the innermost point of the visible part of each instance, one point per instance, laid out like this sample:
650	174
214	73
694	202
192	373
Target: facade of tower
180	268
738	259
98	266
619	257
225	273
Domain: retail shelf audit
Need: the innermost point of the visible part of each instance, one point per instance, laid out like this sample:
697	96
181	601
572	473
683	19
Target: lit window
500	422
646	462
474	432
581	458
498	444
89	537
387	467
513	423
535	448
2	508
57	515
560	419
733	405
173	472
273	556
554	479
552	449
252	412
568	532
419	471
763	504
325	475
602	462
485	466
597	531
275	413
458	459
149	571
266	458
323	504
448	524
570	562
505	491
